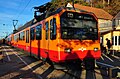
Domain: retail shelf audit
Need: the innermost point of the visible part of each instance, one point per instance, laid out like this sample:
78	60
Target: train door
38	38
27	40
47	38
49	34
32	37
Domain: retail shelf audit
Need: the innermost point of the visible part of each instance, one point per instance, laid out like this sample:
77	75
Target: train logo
82	49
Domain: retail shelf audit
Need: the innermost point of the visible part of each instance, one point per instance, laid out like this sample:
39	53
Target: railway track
32	68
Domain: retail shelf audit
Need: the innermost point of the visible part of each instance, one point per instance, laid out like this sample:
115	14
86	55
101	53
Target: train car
9	39
65	35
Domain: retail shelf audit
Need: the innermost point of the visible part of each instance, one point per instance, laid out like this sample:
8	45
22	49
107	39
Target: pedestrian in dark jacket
108	44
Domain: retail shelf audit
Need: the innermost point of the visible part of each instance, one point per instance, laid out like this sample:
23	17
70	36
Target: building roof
117	16
100	13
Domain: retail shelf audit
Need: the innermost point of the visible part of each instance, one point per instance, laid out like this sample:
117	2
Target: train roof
47	14
28	24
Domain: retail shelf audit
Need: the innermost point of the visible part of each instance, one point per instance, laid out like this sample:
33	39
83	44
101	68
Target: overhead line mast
14	25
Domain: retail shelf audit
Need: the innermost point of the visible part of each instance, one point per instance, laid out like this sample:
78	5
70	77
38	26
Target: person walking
108	46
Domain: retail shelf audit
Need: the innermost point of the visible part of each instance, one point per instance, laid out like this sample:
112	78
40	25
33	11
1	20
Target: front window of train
78	26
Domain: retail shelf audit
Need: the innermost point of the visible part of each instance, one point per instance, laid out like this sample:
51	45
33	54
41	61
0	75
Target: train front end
78	37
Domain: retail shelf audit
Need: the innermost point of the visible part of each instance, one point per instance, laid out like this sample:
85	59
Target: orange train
65	35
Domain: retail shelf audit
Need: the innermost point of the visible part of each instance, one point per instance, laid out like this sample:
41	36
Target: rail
112	70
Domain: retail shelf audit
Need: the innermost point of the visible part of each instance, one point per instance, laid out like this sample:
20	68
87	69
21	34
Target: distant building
116	21
116	32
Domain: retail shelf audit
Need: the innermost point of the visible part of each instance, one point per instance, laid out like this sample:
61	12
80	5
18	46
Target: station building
116	32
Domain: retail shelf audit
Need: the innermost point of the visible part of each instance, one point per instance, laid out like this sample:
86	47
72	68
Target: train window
22	35
27	36
9	39
46	24
78	26
39	32
53	29
16	38
19	36
13	38
32	33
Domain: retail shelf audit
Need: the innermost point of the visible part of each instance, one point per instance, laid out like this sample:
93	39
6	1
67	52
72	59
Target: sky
21	10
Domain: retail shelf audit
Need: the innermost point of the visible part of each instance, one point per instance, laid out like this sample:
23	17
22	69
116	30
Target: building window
116	40
39	32
119	22
119	40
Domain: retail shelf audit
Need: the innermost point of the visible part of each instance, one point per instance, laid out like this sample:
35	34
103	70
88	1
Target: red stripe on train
61	56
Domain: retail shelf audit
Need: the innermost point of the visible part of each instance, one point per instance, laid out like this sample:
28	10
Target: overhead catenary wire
20	4
11	18
23	9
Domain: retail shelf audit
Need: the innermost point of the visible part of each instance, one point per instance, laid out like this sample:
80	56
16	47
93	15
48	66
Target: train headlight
95	49
67	50
90	29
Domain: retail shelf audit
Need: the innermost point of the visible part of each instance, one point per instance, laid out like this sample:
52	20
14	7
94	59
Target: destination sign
79	16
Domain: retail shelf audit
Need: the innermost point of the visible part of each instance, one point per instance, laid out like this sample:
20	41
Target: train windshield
78	26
